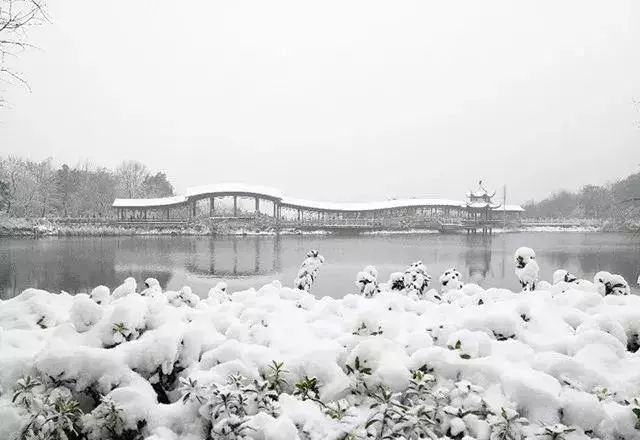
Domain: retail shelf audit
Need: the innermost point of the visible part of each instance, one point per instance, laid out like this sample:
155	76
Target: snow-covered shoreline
279	363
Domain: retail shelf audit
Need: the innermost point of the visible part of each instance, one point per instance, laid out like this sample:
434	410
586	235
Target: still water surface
78	264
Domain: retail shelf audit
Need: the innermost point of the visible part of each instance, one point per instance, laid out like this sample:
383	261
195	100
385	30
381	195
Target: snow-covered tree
367	281
526	268
308	271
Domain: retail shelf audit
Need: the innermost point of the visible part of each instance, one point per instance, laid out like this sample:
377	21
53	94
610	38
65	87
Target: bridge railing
562	221
362	222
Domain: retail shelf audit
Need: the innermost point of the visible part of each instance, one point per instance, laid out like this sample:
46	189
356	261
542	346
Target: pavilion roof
480	192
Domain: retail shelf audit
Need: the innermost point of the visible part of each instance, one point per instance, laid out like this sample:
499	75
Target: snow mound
396	361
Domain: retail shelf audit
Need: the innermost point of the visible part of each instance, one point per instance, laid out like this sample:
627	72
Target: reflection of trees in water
73	265
587	261
477	258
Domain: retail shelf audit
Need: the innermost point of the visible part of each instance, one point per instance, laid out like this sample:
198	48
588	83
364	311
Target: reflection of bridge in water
226	257
265	257
263	206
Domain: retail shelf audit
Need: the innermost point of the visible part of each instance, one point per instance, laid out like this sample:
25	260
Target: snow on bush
451	279
308	271
367	281
152	286
611	284
526	268
127	287
278	363
414	282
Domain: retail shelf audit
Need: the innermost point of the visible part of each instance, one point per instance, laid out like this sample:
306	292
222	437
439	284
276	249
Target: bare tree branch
16	18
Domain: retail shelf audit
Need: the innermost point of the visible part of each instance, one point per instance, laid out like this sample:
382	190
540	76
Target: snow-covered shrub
218	293
398	416
396	282
367	281
562	275
227	409
105	422
364	330
152	287
557	431
84	312
507	425
182	297
101	295
359	371
451	279
526	268
611	284
408	367
308	271
52	413
128	287
126	321
307	388
414	281
276	377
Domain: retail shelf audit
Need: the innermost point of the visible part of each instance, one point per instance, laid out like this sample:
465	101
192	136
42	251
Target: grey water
79	264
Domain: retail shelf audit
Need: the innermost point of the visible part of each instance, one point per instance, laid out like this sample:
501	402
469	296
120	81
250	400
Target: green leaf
370	422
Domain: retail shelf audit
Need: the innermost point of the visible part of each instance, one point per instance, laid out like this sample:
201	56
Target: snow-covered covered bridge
256	202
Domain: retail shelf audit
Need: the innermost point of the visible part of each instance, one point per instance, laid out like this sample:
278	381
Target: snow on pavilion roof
233	188
482	204
480	192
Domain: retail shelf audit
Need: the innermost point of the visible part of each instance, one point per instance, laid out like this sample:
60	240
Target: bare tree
16	18
131	175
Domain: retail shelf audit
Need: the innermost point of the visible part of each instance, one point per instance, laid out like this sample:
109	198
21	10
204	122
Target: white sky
338	100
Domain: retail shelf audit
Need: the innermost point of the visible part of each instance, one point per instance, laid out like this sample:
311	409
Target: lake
78	264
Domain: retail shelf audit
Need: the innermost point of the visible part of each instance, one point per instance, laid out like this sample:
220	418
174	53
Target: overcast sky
338	100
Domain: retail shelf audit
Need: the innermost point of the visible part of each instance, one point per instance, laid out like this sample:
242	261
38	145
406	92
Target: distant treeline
38	189
613	201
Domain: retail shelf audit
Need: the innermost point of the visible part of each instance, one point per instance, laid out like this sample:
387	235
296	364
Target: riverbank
279	363
22	227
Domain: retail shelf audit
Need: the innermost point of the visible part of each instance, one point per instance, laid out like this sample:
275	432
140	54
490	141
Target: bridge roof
237	188
149	203
270	193
510	208
370	206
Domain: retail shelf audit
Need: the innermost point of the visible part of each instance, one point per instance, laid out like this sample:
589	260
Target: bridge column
257	206
276	216
166	212
212	206
299	215
235	206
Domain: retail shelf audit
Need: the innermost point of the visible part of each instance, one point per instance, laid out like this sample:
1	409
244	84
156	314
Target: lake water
78	264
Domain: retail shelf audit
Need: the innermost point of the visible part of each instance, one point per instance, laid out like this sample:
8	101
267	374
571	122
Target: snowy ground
403	360
559	229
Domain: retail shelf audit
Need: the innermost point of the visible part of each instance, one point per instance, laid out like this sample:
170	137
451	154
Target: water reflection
79	264
245	258
477	258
